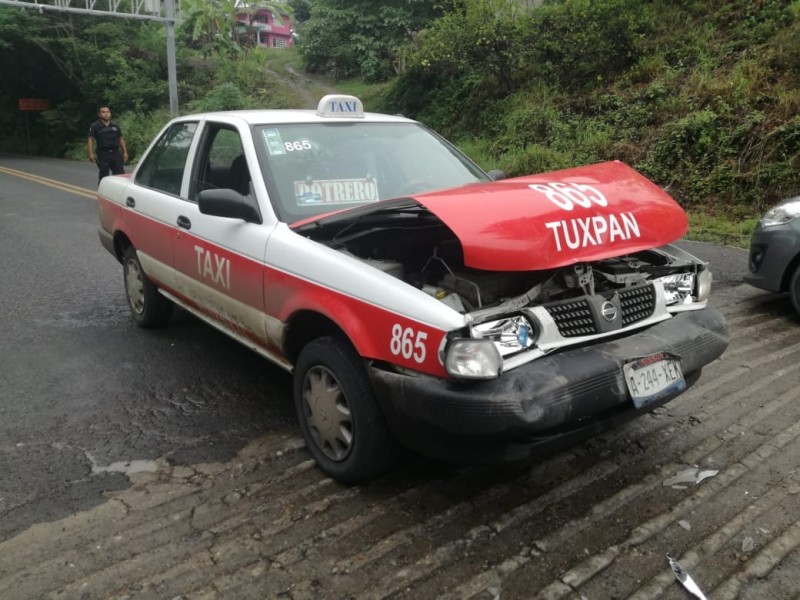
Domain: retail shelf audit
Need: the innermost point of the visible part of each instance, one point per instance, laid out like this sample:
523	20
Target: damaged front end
513	317
578	312
576	305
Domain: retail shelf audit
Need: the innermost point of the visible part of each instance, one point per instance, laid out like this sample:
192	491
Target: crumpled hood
558	218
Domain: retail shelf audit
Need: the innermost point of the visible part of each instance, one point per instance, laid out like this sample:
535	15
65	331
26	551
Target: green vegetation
78	62
702	97
729	230
362	38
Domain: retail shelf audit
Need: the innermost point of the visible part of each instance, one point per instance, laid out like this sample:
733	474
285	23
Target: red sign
34	104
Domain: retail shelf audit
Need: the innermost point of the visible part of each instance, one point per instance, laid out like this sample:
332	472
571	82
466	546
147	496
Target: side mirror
229	204
496	175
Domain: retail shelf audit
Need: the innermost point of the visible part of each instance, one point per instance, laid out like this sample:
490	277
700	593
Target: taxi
417	300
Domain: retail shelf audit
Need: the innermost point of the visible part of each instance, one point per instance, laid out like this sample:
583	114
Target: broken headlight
510	334
686	288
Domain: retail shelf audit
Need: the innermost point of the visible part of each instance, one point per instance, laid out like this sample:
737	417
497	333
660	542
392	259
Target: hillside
702	97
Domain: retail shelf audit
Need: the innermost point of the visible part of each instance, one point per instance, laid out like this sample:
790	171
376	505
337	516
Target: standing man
109	140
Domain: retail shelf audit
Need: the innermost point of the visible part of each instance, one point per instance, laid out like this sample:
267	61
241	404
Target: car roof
332	108
283	116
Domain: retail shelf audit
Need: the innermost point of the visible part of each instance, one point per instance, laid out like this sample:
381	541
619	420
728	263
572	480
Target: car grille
579	317
573	318
637	304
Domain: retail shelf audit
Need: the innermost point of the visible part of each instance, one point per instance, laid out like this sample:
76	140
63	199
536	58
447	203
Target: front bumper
772	253
555	399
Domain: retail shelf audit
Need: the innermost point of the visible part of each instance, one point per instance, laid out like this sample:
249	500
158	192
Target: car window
221	162
314	168
163	167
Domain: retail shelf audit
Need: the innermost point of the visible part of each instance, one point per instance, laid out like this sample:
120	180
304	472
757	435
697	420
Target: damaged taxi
417	300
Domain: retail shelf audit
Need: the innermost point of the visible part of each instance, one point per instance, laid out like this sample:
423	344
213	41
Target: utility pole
171	69
163	11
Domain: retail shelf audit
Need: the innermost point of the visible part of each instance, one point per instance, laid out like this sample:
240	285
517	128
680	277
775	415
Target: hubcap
327	413
134	286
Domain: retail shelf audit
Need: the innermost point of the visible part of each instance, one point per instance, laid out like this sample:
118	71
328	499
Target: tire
794	289
343	426
148	307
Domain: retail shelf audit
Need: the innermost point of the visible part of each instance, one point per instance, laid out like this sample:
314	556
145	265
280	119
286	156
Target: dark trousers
109	160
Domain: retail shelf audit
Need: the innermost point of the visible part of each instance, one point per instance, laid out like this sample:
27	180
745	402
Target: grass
281	58
705	227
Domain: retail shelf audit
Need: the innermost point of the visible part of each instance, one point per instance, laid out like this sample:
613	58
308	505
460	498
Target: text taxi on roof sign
336	106
416	300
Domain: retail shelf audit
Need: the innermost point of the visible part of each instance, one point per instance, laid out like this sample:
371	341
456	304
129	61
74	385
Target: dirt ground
594	522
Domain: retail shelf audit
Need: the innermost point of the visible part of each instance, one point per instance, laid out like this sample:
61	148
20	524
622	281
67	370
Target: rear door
153	202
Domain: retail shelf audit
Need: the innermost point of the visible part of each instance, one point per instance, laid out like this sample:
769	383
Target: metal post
171	68
28	131
136	10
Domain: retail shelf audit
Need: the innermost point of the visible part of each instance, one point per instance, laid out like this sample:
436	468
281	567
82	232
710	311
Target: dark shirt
107	136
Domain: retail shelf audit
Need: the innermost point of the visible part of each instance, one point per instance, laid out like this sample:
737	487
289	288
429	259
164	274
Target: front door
219	261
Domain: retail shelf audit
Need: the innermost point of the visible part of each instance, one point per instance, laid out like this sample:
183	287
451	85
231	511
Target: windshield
316	168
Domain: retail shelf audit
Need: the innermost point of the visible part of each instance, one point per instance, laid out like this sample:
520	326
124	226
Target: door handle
129	201
184	222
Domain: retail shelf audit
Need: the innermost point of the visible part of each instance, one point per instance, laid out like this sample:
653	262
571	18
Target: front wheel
794	289
148	307
342	425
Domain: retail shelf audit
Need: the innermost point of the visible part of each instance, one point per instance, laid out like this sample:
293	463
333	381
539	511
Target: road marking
59	185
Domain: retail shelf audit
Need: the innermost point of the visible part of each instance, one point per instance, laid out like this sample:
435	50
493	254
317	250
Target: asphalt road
82	388
140	464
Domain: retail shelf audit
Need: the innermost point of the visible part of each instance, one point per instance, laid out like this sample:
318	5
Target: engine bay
418	248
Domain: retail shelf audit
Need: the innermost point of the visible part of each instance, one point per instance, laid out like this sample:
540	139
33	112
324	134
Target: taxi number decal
297	146
569	195
408	343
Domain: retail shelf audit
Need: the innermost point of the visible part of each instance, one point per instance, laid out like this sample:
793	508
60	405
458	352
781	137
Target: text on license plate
652	378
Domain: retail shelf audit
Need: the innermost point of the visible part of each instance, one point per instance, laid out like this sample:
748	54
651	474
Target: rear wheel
342	425
148	307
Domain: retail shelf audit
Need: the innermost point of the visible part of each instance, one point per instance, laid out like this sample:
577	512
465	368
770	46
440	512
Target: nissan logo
609	311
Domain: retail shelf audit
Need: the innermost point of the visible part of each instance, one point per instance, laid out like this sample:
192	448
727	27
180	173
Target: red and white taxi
417	301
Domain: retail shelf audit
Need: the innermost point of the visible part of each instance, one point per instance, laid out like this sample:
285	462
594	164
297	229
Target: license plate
652	378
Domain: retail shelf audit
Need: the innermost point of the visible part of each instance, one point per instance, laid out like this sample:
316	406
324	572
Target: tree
77	62
204	21
361	38
301	10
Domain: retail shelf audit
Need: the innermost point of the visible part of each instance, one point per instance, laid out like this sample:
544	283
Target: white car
417	301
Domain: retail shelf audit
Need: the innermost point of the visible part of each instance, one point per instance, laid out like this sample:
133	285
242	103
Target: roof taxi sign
339	105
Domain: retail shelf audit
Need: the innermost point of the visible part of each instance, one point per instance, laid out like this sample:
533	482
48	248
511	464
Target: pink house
271	30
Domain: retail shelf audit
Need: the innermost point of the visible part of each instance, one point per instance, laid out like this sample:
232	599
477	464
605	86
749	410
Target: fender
376	333
113	213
